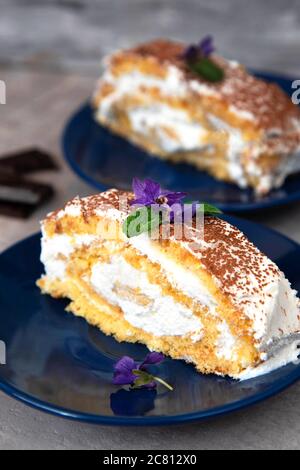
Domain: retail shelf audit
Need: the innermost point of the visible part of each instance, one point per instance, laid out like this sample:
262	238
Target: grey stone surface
75	33
39	36
271	425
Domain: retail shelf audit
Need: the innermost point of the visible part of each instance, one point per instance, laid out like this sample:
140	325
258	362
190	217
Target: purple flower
123	374
206	46
149	192
129	372
191	53
196	52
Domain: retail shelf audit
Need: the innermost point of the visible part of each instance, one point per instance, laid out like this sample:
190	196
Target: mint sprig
143	220
207	69
209	209
198	59
148	219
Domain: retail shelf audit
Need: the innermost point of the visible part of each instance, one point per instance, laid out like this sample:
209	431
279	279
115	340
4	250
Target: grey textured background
75	33
49	57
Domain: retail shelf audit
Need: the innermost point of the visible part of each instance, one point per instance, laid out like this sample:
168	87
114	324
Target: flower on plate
128	372
123	374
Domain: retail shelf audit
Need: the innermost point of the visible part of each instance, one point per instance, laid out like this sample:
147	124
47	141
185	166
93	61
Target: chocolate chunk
19	197
18	211
27	161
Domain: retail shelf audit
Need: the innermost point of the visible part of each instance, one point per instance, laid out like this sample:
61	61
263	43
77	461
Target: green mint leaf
209	209
144	219
207	69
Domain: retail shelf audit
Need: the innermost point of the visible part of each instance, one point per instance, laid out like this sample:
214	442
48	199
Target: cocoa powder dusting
270	107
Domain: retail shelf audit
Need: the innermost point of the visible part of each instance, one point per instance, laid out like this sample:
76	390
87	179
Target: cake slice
235	126
217	302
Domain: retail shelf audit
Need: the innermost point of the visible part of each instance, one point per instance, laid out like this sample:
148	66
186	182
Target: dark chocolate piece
19	197
27	161
18	211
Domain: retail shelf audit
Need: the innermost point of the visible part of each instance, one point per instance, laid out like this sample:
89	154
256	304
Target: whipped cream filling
226	343
278	355
190	135
128	84
179	277
71	210
172	84
236	147
57	249
172	127
287	354
289	166
274	308
155	313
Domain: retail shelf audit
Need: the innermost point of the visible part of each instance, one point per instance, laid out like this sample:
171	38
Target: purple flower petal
124	375
146	192
196	52
206	46
123	371
152	189
125	364
123	379
173	197
191	53
152	358
206	41
142	201
138	187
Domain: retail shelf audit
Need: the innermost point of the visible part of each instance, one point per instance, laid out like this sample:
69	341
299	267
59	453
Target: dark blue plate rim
33	402
150	420
236	208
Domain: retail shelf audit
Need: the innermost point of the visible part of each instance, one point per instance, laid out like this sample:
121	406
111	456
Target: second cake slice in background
235	126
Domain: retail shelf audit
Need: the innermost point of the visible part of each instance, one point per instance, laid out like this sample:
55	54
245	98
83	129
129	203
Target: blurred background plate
105	160
56	362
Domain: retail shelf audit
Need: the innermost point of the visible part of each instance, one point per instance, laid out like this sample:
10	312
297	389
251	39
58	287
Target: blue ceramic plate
105	160
58	363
